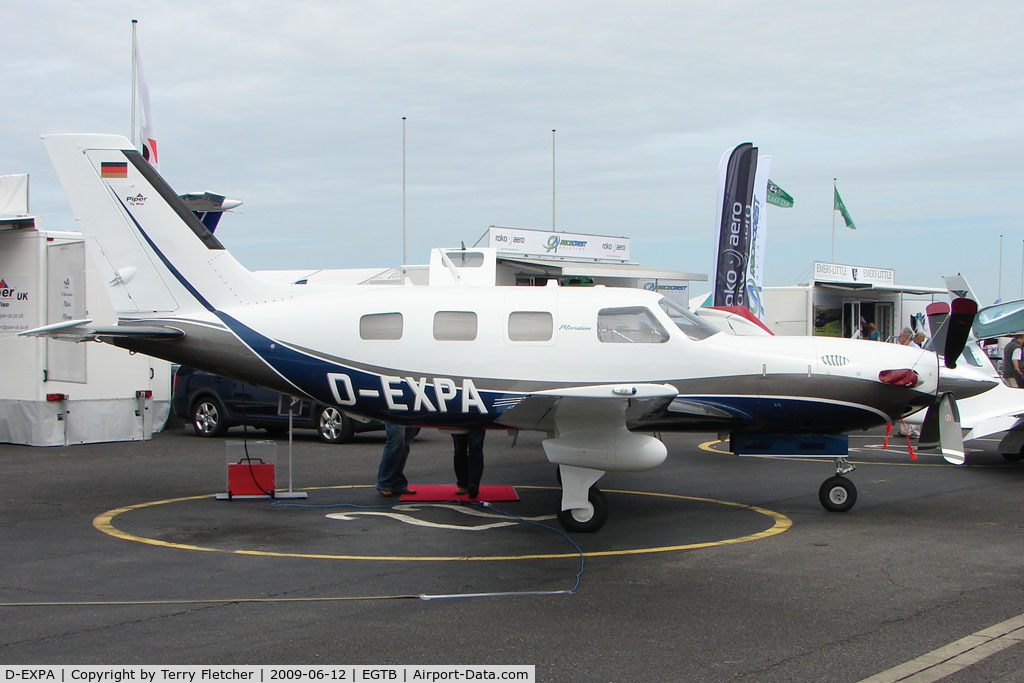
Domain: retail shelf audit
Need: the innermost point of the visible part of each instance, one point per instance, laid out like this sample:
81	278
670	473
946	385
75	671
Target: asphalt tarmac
710	567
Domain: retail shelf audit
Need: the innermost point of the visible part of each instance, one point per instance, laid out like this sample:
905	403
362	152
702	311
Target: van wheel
208	417
335	426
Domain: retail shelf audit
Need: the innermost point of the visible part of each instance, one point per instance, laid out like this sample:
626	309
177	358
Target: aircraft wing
84	330
539	410
993	425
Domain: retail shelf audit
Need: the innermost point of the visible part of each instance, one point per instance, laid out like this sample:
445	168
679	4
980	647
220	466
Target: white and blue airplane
598	369
999	409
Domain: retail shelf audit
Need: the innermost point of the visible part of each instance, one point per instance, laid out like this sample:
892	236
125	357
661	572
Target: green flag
838	205
778	196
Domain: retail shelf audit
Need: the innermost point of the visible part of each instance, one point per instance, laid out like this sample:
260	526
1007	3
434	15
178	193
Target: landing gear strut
583	505
589	519
837	493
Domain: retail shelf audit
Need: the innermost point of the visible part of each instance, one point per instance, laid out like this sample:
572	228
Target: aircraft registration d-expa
599	369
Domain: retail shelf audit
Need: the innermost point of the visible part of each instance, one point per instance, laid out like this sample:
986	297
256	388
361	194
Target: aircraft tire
571	522
1010	455
837	494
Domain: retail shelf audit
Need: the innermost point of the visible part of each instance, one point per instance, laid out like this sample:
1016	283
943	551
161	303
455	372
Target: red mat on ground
434	492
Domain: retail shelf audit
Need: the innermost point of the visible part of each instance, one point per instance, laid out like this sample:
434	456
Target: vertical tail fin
152	251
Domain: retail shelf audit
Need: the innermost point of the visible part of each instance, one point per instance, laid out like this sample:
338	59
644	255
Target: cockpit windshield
692	326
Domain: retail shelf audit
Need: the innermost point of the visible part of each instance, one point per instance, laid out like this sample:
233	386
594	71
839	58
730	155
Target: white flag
146	121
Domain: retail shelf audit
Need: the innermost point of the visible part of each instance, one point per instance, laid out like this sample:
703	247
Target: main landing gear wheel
837	494
589	520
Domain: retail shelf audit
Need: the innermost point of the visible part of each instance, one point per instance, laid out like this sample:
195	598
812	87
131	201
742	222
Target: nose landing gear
837	493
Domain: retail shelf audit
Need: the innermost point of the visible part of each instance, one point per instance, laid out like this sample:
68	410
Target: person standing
1013	361
468	460
391	479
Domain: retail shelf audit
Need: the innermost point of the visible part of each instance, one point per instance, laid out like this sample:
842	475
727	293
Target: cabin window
455	326
629	325
692	326
527	326
381	326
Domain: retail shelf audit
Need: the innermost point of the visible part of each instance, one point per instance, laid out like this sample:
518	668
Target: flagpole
404	260
135	23
834	220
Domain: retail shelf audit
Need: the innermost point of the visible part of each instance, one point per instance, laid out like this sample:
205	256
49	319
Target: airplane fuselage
459	356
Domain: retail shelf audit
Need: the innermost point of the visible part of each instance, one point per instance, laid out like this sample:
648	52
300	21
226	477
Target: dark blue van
212	403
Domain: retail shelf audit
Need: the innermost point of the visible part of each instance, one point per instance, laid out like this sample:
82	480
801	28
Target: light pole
552	178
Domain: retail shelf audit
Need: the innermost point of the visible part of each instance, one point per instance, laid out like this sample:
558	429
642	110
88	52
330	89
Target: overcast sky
917	108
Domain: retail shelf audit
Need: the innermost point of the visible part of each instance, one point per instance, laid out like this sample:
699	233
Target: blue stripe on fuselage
793	413
310	375
387	395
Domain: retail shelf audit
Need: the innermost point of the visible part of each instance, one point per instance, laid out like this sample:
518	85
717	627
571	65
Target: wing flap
538	410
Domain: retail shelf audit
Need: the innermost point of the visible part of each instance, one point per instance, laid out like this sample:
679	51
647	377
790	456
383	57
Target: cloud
296	109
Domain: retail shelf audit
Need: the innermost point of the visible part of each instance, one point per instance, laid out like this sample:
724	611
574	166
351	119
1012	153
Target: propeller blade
937	313
961	317
941	430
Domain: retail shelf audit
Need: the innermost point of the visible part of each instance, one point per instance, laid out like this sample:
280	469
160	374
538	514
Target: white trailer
55	393
840	299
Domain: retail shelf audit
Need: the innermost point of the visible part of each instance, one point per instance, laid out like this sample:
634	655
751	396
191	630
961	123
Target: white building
55	393
839	299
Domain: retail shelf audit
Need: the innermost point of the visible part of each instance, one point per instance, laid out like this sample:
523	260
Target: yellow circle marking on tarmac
780	523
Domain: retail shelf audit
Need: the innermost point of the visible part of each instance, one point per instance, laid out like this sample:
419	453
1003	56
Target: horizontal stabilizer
84	330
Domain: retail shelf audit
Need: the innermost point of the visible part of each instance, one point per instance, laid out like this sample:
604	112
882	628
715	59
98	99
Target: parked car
212	403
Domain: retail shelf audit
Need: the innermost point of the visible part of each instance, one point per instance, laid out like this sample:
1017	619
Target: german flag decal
113	169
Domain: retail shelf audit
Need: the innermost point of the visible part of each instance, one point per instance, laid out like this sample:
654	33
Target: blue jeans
390	475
